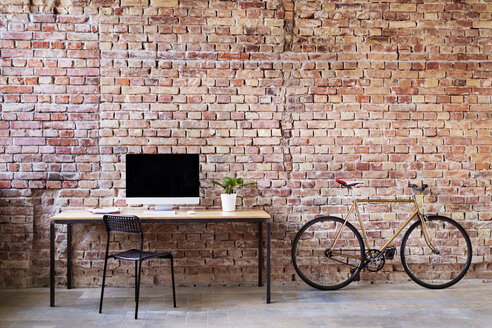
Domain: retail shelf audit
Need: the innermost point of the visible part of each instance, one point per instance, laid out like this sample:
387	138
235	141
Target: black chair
131	224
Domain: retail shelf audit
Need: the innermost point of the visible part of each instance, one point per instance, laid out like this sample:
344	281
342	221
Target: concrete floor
468	304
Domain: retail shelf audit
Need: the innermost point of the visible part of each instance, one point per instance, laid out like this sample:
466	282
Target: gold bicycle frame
355	208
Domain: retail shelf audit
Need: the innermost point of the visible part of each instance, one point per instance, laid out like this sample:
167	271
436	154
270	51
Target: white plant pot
228	202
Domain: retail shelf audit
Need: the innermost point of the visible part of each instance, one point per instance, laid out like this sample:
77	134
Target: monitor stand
164	209
161	210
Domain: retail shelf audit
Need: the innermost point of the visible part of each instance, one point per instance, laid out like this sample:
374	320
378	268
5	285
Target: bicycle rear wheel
441	270
317	266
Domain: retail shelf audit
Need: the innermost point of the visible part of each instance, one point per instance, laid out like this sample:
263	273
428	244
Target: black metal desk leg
52	264
69	255
260	254
268	262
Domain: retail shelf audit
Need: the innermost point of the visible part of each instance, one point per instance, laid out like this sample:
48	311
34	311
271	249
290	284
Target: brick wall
291	94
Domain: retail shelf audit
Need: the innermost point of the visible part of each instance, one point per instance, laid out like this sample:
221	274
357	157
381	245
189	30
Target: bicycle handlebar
418	189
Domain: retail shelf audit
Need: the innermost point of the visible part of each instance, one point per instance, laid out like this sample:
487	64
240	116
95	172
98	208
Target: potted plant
228	198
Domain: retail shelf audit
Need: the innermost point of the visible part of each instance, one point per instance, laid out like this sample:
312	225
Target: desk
203	216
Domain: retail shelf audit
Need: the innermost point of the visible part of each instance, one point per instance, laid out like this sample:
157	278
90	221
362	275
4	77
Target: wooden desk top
181	215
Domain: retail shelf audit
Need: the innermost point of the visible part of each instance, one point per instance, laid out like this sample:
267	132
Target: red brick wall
291	94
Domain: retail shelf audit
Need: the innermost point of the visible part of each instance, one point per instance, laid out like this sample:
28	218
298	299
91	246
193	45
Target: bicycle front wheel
318	265
433	270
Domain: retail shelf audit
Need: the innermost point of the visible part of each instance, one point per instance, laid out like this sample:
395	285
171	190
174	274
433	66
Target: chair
131	224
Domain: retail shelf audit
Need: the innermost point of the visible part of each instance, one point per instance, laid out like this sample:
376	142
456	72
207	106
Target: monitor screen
162	175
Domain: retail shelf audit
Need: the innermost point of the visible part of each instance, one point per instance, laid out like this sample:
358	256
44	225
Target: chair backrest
123	223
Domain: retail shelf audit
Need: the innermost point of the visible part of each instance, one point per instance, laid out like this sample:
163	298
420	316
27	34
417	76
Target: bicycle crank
374	260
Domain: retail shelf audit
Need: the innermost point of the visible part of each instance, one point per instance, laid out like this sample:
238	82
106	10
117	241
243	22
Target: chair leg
136	280
172	279
103	282
137	287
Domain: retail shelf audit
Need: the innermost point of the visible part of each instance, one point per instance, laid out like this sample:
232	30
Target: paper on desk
107	210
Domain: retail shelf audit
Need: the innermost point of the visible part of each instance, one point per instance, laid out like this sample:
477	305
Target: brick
482	24
83	71
83	54
17	53
29	141
105	2
16	35
140	3
16	89
402	24
44	18
80	19
403	7
15	107
49	36
164	3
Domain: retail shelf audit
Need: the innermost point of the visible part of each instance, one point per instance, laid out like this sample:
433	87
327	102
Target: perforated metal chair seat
134	255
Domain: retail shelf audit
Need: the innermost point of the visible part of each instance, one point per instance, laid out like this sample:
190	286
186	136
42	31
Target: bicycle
329	253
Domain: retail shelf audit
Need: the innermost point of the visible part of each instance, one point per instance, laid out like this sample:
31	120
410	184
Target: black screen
162	175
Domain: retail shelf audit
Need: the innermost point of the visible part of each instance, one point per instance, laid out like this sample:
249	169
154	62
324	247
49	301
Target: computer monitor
162	179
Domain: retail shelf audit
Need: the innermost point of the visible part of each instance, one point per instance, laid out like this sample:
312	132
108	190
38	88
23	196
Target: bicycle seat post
351	193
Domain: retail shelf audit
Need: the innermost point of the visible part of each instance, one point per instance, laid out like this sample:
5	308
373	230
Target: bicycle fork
423	218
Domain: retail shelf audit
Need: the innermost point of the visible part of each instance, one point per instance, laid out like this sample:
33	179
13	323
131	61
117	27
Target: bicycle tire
303	253
425	267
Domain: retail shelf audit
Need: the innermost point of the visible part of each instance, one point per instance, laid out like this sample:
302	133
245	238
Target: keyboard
159	213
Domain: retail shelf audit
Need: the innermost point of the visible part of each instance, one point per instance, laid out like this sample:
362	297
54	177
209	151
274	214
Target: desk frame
69	223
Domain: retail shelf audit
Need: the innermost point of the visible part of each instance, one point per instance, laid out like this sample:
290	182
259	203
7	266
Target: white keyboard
159	213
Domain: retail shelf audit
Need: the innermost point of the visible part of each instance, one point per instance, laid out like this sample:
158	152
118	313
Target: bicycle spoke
436	270
316	264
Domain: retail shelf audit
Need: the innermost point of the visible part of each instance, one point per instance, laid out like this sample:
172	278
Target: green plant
228	184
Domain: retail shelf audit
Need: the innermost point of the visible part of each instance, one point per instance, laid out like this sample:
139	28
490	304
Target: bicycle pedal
390	253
